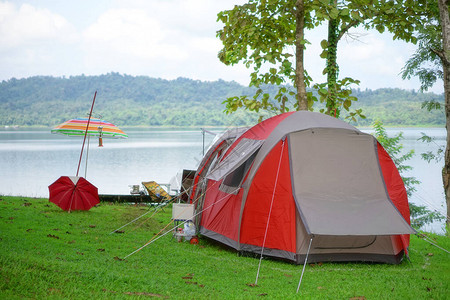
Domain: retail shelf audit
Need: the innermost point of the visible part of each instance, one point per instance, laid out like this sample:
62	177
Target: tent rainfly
303	176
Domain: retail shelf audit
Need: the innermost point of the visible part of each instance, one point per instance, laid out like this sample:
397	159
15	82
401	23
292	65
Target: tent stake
304	265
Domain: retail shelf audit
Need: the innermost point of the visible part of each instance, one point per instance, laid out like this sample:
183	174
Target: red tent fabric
395	188
73	193
303	175
269	187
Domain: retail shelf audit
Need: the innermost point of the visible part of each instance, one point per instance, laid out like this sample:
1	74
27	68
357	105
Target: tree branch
441	55
346	28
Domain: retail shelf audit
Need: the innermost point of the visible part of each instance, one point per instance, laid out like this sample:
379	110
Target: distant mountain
143	101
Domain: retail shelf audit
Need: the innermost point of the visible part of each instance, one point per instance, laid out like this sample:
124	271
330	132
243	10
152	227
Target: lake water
32	159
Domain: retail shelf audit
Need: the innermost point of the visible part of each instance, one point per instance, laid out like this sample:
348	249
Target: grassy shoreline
48	253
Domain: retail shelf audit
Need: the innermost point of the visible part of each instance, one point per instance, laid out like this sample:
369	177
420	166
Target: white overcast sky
163	39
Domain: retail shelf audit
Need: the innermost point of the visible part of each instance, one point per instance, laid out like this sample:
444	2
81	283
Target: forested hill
144	101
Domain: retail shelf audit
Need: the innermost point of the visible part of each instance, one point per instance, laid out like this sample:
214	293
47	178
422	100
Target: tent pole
203	140
304	265
85	133
87	156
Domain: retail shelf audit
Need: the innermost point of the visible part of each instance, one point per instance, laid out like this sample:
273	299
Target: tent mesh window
235	178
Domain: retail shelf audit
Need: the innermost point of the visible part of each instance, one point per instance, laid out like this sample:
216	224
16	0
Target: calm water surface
30	160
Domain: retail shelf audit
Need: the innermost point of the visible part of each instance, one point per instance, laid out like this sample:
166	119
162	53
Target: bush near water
48	253
143	101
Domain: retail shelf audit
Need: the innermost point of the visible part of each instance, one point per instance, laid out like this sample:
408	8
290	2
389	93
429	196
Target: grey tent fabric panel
357	257
343	245
243	150
338	186
374	244
298	121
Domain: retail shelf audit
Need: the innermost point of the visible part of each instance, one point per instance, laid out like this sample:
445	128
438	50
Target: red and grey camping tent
300	176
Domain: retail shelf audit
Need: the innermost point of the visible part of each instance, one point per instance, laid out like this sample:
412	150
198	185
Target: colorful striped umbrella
97	127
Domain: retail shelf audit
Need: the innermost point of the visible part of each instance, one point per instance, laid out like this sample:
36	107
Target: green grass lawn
48	253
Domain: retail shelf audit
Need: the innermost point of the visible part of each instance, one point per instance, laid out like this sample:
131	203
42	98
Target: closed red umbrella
73	193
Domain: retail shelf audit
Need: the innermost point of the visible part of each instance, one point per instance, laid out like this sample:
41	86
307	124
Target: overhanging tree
343	15
430	62
259	34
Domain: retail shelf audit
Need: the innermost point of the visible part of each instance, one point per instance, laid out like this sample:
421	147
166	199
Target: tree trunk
299	51
332	66
445	58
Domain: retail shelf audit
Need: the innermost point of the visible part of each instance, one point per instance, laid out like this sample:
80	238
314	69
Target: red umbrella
73	193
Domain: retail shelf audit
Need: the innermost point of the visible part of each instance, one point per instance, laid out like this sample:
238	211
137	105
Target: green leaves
334	13
355	15
324	54
324	45
345	12
347	103
428	156
322	92
340	99
263	102
379	28
432	105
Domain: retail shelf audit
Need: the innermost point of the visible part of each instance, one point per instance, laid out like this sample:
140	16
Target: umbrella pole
71	198
87	156
86	131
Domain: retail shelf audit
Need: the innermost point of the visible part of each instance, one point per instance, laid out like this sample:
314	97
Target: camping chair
158	195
